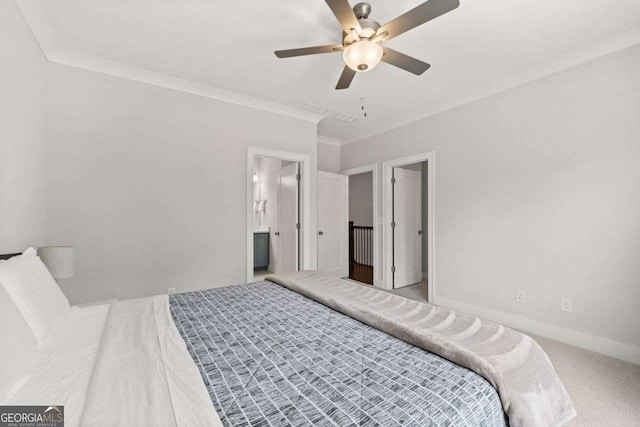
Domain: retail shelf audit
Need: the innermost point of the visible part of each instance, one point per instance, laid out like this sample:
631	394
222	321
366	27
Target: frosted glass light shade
59	260
363	55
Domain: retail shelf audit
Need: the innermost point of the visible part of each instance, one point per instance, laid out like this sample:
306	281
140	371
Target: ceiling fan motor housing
362	10
369	27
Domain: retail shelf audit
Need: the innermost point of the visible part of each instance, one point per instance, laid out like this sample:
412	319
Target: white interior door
333	224
288	220
407	234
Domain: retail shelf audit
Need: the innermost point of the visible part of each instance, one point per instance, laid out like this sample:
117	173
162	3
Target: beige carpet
604	390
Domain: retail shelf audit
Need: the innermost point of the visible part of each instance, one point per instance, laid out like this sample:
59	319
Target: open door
333	224
288	232
407	231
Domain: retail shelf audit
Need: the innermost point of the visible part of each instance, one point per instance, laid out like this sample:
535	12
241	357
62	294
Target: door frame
304	161
377	259
387	170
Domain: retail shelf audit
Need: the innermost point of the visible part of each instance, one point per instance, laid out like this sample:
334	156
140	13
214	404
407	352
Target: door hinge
297	226
393	268
298	176
393	224
393	180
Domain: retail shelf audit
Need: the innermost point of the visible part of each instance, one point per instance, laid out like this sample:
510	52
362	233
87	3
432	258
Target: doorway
408	225
276	216
364	225
277	198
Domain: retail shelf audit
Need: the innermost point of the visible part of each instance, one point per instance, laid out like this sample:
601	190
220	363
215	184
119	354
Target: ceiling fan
362	37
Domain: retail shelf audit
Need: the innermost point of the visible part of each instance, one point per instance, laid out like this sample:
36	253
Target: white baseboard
590	342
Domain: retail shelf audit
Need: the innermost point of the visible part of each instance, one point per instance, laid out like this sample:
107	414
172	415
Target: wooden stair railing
361	253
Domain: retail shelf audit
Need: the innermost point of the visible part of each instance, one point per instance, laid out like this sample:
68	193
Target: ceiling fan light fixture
362	37
363	55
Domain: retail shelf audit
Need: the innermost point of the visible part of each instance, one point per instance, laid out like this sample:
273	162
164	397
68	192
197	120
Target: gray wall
538	188
328	158
22	134
361	199
150	184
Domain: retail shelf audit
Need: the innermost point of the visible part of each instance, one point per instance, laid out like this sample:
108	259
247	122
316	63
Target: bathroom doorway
275	232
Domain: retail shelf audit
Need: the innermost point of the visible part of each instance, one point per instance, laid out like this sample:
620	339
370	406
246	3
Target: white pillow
18	348
34	292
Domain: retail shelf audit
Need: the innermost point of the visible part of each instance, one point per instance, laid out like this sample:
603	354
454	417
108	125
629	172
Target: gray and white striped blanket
270	356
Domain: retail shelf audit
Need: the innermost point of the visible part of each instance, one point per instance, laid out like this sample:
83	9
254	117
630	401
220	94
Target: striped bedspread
272	357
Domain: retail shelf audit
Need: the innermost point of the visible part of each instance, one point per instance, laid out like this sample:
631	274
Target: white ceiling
229	45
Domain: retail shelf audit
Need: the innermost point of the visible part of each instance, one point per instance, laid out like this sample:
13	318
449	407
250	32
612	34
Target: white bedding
119	364
64	364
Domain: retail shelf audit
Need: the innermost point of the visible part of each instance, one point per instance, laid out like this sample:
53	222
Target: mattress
270	356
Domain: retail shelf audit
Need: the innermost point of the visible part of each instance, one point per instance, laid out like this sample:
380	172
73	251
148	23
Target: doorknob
420	232
277	233
321	233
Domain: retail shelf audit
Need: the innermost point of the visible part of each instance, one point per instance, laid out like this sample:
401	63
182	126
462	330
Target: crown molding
573	59
90	63
329	141
37	22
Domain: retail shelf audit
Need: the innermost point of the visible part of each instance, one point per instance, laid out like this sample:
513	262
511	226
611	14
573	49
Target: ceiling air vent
327	112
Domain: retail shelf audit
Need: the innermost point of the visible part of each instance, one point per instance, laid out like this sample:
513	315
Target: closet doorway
408	224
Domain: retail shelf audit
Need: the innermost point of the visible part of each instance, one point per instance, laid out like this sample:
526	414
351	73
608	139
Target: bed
265	353
271	356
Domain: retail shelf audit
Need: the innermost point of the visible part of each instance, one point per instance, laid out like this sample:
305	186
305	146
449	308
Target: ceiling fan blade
308	51
406	62
342	10
345	78
417	16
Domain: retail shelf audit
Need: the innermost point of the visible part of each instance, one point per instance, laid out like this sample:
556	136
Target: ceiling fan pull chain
363	98
364	111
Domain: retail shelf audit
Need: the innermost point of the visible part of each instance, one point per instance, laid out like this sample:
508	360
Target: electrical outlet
566	305
171	291
520	296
